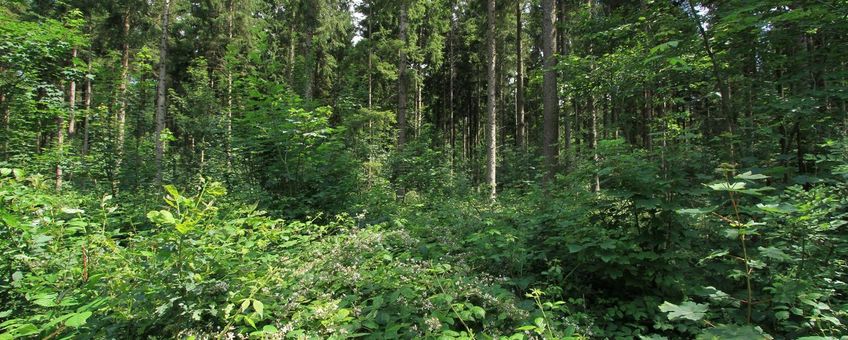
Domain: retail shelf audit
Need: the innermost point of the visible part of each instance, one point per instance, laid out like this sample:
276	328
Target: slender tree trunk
229	119
491	126
593	142
292	44
72	101
520	128
122	108
60	141
549	90
311	21
452	62
402	83
161	92
87	106
370	61
566	44
720	82
4	108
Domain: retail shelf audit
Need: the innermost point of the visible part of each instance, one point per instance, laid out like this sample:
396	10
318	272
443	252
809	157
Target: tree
520	125
402	84
491	124
161	92
549	90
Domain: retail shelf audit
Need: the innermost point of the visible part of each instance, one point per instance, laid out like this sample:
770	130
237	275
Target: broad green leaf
777	208
161	217
184	227
78	319
731	332
775	254
696	211
172	191
686	310
751	176
725	186
259	307
73	211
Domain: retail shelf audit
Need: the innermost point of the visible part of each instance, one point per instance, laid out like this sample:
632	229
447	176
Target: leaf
183	228
172	191
259	307
540	323
161	217
775	254
687	310
696	211
714	254
731	332
245	304
777	208
725	186
478	312
73	211
751	176
78	319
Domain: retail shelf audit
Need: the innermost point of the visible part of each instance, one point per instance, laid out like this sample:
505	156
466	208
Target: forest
424	169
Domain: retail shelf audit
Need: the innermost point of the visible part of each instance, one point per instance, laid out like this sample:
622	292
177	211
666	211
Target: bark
520	129
309	53
720	82
161	92
549	90
122	108
6	129
60	143
451	90
593	143
229	119
87	106
402	83
72	101
491	126
569	161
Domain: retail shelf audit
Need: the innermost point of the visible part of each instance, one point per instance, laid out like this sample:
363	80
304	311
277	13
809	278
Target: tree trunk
549	90
4	107
520	129
60	141
311	19
569	156
72	101
491	126
720	82
161	92
451	89
593	142
122	109
402	83
229	119
87	105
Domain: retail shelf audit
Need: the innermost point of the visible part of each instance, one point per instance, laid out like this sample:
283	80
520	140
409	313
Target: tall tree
161	91
520	129
121	117
491	110
549	90
402	84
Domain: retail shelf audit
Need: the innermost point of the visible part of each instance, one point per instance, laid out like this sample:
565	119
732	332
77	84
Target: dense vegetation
553	169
